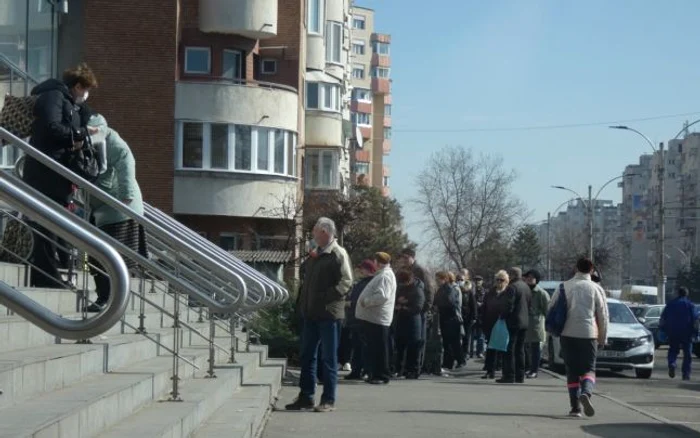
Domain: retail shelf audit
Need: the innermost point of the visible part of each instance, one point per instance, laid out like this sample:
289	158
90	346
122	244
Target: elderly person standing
375	308
494	302
517	317
535	331
327	280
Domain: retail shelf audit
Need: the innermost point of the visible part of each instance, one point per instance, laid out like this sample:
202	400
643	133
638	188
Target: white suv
630	345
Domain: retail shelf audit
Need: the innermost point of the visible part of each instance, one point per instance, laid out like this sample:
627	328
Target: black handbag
85	162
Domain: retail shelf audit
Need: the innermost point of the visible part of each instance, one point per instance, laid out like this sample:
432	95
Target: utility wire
545	127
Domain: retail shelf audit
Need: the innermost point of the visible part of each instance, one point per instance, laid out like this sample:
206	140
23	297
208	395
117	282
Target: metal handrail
219	271
78	232
17	70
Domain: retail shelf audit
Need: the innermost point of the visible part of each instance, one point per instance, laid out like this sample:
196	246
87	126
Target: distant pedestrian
517	317
357	337
409	304
585	329
535	331
327	279
375	308
447	301
678	322
468	310
494	303
476	346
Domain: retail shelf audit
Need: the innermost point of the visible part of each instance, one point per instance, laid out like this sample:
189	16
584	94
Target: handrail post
212	353
234	341
175	394
201	313
142	304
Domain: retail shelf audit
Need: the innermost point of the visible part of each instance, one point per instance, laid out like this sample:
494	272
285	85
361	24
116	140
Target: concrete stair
119	384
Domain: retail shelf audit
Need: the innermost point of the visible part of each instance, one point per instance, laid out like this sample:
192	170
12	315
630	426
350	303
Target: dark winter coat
355	292
479	295
428	285
447	303
678	319
57	124
408	315
468	305
494	303
517	311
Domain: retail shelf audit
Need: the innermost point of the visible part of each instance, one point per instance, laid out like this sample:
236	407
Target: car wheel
643	373
553	366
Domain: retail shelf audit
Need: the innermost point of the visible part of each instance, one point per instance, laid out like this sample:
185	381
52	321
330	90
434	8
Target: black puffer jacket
518	300
57	124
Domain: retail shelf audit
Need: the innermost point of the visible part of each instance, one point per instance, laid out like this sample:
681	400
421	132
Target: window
358	71
387	133
315	16
243	151
358	47
387	110
231	241
361	168
292	152
269	66
321	169
197	60
380	48
361	118
322	96
358	22
280	154
232	64
263	149
334	41
219	146
380	72
362	94
386	181
192	145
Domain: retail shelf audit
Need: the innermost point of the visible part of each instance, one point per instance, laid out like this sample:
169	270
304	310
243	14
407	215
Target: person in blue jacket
678	322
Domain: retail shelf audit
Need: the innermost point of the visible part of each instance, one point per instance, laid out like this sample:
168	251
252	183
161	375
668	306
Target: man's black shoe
301	404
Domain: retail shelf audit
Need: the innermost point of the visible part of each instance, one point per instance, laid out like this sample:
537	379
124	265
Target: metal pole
234	343
662	229
142	304
549	246
590	222
212	353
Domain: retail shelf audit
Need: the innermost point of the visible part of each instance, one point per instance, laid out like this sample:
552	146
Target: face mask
83	98
461	283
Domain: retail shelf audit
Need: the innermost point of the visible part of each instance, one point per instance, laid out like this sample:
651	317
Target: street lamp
661	280
589	206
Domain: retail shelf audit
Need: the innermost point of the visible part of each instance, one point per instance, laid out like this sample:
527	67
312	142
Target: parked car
649	316
630	345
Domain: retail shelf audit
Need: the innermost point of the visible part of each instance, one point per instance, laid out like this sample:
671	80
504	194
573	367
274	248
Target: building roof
263	256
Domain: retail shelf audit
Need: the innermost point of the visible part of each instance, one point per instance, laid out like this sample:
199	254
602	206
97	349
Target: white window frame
359	43
321	17
369	93
387	129
240	64
323	89
365	168
375	72
268	72
356	117
361	18
331	44
377	44
359	67
198	48
335	170
255	134
236	236
387	112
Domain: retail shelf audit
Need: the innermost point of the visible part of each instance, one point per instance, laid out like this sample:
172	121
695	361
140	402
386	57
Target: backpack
556	316
17	115
84	162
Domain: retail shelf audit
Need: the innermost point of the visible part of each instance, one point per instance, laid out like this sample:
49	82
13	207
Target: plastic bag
499	336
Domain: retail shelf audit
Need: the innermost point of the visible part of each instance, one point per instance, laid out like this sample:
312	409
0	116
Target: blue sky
468	64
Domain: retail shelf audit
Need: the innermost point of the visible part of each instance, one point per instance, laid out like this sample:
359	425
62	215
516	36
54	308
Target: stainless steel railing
79	233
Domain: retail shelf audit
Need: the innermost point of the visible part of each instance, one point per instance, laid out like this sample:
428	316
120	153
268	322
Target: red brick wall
132	48
289	13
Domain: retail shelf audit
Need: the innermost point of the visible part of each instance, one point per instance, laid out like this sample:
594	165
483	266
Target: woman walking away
447	301
585	328
119	180
494	303
359	345
410	297
535	331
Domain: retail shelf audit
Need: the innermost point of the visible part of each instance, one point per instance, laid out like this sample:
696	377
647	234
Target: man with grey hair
326	281
516	314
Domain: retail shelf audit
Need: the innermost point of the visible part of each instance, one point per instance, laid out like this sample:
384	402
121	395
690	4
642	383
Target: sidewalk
462	406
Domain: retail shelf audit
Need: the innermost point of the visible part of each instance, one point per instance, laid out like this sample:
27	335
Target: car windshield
638	311
621	314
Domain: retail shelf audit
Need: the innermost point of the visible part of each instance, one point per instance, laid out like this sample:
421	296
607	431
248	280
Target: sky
460	66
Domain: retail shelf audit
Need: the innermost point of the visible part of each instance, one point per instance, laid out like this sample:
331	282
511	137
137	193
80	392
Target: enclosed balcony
255	19
381	85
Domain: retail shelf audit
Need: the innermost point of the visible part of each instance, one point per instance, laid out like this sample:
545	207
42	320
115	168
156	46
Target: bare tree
466	199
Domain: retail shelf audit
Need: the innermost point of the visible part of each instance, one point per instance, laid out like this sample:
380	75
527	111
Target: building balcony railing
387	121
386	171
362	156
380	60
381	85
386	147
254	19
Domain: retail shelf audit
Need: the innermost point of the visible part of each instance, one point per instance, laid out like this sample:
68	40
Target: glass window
312	95
269	66
263	149
358	47
279	151
387	133
361	118
230	241
334	41
197	60
292	142
387	110
219	146
327	168
243	147
362	94
380	48
358	22
361	168
192	145
315	16
233	64
322	169
380	72
327	96
358	71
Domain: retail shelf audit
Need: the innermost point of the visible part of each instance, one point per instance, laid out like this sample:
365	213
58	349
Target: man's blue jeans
674	347
327	334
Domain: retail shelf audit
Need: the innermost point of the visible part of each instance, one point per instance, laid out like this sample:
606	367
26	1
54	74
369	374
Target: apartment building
371	100
636	223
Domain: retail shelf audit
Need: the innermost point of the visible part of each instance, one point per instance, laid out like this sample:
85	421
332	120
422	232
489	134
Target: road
674	400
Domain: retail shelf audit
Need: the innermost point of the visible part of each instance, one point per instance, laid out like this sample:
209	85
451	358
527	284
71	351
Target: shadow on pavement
637	430
481	414
668	404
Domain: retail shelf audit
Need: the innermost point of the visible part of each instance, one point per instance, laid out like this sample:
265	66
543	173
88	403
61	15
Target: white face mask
461	283
83	98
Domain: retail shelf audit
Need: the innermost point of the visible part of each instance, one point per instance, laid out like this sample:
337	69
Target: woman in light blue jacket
119	180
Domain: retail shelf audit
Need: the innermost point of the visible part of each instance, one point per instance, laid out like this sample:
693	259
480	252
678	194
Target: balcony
360	106
380	60
324	128
386	147
387	121
386	172
362	156
381	85
366	132
255	19
239	102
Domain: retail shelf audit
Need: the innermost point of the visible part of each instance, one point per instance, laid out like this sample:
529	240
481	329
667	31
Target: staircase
119	385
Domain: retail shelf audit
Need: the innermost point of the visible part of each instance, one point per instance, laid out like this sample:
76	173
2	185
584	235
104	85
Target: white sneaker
347	367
